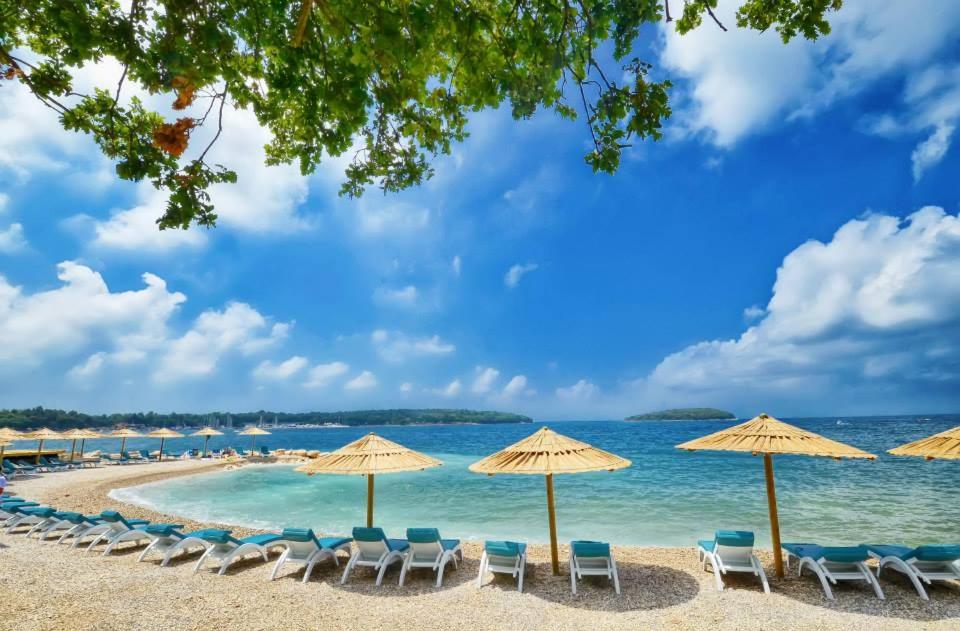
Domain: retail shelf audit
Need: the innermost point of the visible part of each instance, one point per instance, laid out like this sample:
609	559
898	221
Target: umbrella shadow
901	599
642	587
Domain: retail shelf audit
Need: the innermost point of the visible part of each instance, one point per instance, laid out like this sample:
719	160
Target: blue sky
791	246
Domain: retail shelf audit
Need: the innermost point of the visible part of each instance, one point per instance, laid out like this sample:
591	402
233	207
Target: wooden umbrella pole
39	449
123	445
73	448
370	500
205	439
253	443
83	442
160	455
774	521
552	516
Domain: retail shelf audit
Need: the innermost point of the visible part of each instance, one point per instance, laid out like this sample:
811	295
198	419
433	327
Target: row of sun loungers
732	551
729	550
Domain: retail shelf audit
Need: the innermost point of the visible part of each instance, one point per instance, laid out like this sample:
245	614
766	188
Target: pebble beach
48	586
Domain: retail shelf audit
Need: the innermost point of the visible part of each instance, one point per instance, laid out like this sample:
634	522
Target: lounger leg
384	564
403	569
616	575
317	556
483	569
350	564
146	551
716	574
443	563
871	579
900	566
96	540
760	573
523	566
573	573
815	568
202	558
281	561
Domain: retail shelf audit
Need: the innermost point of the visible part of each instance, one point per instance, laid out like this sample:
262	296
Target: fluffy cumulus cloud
323	375
877	306
12	239
366	380
135	229
516	386
931	151
279	371
398	347
512	278
737	83
451	390
484	380
64	320
395	220
580	391
239	328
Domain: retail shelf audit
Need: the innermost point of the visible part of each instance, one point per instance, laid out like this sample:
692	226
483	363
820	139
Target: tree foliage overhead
390	81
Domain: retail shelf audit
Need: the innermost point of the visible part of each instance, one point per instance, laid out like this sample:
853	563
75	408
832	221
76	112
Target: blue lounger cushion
734	538
836	554
377	534
300	535
423	535
262	540
39	511
113	516
504	548
920	553
77	518
333	542
216	535
590	549
165	530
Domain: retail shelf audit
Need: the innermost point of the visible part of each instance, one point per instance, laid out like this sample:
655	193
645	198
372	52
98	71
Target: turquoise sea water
667	497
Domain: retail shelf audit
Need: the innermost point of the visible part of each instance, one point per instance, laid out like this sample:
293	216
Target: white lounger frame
513	565
593	566
170	546
723	559
24	519
113	532
307	553
375	554
830	572
227	553
430	555
917	571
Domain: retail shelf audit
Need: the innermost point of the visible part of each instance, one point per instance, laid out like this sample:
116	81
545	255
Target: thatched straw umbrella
369	456
3	445
123	434
41	435
254	432
75	435
206	432
769	436
163	434
88	434
547	453
945	445
7	436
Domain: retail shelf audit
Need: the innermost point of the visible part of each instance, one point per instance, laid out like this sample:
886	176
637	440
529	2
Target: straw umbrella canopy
206	432
4	443
769	436
7	436
547	453
254	432
41	435
123	434
78	434
163	434
370	456
945	445
88	434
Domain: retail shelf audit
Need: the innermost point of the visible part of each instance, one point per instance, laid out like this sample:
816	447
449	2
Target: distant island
684	414
60	420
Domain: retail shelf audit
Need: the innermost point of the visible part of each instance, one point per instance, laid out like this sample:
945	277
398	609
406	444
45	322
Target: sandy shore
46	586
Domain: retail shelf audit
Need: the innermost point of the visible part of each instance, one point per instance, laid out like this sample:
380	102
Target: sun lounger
592	558
833	564
303	547
113	528
376	551
730	551
28	516
923	564
67	521
9	509
164	538
428	550
226	549
21	468
503	557
177	542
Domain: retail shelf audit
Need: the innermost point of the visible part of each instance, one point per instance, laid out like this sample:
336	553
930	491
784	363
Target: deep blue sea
666	498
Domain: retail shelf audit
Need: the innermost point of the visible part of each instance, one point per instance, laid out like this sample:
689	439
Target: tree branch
715	19
305	8
666	7
223	100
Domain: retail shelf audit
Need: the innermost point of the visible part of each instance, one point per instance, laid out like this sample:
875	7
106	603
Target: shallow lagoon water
666	498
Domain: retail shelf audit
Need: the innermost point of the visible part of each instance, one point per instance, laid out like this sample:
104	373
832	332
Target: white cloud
61	321
753	312
322	375
581	390
388	219
364	381
483	382
88	368
5	203
135	229
932	150
239	328
271	371
403	297
406	387
516	386
879	300
12	239
451	390
455	265
738	86
395	346
512	278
